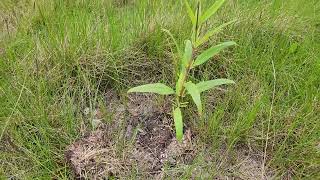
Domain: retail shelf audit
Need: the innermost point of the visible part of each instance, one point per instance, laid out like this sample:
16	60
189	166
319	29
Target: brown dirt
248	165
93	156
149	142
139	142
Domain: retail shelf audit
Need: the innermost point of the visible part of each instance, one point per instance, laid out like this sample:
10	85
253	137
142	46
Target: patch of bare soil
93	156
149	142
242	163
139	143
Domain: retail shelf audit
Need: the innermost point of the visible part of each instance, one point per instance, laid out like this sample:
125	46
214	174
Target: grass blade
206	37
206	85
157	88
195	94
190	12
211	11
178	123
174	40
206	55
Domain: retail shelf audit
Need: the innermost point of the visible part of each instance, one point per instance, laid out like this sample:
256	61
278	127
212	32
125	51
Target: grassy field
58	57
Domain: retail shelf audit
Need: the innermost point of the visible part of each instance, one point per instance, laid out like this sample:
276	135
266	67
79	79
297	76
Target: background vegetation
57	57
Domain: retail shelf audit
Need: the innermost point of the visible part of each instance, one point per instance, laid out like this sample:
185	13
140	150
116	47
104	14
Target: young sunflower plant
187	62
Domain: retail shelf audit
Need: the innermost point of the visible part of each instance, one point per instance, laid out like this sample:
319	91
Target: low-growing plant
187	61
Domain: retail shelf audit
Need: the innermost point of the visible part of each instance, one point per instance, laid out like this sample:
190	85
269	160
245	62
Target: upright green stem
188	68
185	78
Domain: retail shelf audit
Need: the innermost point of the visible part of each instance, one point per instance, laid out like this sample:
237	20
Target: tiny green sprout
187	62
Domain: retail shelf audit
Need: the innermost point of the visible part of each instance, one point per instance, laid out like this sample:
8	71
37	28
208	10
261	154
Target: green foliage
212	32
206	85
178	123
190	12
187	63
157	88
187	57
206	55
79	43
194	91
211	11
181	79
174	40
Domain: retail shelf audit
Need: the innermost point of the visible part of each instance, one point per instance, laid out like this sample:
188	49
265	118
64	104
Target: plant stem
196	29
181	93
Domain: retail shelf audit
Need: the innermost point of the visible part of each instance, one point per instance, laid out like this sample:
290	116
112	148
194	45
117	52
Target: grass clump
58	57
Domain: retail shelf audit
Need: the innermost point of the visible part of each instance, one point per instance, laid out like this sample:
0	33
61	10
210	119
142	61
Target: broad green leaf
206	85
190	12
206	55
157	88
187	56
180	80
195	94
178	123
174	40
211	11
206	37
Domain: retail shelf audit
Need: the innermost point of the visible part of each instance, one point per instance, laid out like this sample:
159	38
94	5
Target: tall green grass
58	57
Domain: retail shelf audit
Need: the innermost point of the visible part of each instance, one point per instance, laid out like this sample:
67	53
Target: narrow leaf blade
206	55
157	88
187	56
190	12
174	40
211	11
195	94
212	32
206	85
178	123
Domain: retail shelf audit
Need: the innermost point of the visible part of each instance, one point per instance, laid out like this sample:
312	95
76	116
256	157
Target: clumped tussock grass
58	57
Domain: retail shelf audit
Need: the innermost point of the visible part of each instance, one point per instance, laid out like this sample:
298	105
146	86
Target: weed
188	62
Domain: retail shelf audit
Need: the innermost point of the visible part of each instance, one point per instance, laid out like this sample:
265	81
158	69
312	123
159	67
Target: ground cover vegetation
59	59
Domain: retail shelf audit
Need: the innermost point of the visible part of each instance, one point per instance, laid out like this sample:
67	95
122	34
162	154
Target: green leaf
190	12
180	80
178	123
206	55
206	85
206	37
157	88
187	56
211	11
195	94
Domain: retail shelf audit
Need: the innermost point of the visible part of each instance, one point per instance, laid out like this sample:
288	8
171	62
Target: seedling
187	62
